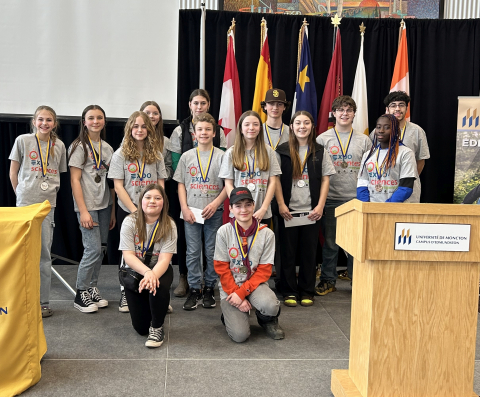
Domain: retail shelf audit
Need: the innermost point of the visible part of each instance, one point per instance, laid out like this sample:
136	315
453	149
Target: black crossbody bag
129	278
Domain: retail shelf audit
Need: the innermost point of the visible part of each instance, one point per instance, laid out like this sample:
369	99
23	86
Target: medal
44	186
344	164
380	170
43	160
96	159
251	187
152	236
204	174
204	191
378	188
300	183
97	178
270	139
243	269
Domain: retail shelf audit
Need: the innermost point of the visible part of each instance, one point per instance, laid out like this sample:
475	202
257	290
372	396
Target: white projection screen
69	54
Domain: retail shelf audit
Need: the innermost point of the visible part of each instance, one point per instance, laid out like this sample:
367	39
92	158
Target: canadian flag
230	102
400	79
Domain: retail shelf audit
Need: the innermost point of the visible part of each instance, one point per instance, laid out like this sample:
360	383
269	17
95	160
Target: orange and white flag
400	79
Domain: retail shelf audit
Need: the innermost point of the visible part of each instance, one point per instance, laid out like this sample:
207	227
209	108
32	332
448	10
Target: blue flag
305	92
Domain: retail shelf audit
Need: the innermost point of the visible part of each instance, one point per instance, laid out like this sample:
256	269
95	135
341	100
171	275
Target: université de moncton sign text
432	237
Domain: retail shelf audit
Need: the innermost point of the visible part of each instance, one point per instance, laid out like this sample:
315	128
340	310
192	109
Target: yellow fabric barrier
22	340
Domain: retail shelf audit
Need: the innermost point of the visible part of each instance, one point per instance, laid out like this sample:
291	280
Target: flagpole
202	48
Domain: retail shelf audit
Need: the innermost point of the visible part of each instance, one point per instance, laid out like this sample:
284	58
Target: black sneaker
84	303
208	298
155	337
272	329
97	298
194	296
122	304
324	288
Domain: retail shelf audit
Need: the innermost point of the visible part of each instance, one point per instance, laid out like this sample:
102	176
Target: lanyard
243	253
43	160
251	173
141	168
344	151
96	160
152	236
382	167
402	134
304	163
270	139
204	174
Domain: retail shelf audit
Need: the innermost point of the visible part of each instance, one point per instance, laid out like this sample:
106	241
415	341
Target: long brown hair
53	133
83	133
164	221
294	145
238	154
159	126
151	145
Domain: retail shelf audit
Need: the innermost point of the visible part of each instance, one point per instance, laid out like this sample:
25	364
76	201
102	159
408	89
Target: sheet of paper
198	215
299	220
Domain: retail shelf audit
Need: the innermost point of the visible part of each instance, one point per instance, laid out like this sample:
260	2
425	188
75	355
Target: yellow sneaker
290	301
306	301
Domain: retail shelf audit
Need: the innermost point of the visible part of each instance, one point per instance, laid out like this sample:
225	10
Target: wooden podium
414	313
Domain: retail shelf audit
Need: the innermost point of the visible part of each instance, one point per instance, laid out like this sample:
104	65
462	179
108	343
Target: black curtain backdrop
67	240
444	63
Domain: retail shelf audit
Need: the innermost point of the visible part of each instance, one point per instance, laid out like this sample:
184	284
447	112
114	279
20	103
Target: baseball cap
275	95
240	193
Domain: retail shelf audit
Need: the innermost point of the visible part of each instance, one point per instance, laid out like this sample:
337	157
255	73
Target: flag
359	95
333	87
263	82
400	79
305	92
230	102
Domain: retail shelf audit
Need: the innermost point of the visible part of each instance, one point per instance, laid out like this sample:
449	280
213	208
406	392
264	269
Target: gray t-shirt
301	199
343	185
277	139
128	171
30	177
241	178
228	250
176	139
405	167
199	193
96	195
415	139
129	241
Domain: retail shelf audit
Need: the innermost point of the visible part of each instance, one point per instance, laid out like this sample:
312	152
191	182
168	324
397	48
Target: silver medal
300	183
44	186
251	187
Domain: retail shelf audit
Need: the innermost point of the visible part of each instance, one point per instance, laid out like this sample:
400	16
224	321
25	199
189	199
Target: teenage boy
275	133
346	148
244	255
201	194
411	135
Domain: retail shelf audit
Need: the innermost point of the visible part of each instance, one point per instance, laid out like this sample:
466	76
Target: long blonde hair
238	154
164	221
53	133
159	126
151	145
294	146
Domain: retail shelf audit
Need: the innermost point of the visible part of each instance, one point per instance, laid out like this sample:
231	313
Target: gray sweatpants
45	257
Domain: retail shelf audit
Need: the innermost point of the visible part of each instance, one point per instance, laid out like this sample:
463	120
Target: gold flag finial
402	24
263	33
336	20
362	29
305	23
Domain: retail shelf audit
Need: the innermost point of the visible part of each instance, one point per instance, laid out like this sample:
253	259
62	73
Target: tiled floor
101	355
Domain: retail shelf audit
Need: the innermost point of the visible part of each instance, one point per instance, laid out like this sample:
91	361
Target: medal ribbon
403	132
251	174
304	163
239	240
97	160
270	139
152	236
44	161
344	151
379	170
204	174
141	168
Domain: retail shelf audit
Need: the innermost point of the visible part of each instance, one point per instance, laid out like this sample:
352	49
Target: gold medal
378	188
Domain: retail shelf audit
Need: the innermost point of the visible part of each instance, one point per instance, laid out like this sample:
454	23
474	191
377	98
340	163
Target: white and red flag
230	102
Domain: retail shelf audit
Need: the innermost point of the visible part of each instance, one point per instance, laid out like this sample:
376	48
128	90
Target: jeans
330	248
193	235
48	225
237	323
94	247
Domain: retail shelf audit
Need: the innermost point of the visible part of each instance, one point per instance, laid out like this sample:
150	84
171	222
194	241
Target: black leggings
145	307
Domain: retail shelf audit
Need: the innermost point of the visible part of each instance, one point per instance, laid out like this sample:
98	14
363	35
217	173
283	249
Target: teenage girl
136	164
302	192
37	159
150	225
153	111
252	164
388	171
89	159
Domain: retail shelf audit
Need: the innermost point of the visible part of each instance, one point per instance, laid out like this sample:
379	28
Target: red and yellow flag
263	82
400	79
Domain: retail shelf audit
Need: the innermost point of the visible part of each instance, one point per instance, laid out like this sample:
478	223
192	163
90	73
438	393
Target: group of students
275	175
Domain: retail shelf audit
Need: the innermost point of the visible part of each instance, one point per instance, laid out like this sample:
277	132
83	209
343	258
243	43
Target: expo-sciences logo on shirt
370	166
233	252
136	240
193	171
334	150
33	156
132	168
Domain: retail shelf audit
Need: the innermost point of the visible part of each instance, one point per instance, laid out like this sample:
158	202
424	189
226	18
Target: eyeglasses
341	111
397	105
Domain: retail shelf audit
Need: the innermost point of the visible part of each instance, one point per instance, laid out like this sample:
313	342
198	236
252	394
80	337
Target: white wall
72	53
462	9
